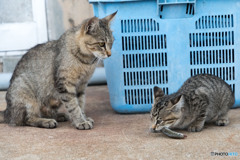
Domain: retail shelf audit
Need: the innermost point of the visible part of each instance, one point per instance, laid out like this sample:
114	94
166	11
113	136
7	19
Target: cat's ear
176	99
91	25
158	92
178	103
110	17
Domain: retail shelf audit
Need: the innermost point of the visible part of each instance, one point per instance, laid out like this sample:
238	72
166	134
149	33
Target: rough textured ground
115	136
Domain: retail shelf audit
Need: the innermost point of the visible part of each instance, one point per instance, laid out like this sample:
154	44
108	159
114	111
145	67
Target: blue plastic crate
164	42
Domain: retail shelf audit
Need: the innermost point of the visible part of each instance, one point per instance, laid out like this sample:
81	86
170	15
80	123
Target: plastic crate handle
161	3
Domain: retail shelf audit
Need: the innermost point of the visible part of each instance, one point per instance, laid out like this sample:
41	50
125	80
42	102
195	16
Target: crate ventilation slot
144	42
215	21
145	78
140	96
171	9
190	9
226	73
139	25
208	39
144	60
223	56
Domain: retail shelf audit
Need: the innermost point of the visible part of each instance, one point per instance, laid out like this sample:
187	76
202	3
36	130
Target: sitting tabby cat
201	99
56	74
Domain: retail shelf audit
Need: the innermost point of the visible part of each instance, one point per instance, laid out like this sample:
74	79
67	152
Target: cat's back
212	87
38	54
205	81
37	60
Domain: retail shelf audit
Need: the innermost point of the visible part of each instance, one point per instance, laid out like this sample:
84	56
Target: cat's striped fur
202	98
56	74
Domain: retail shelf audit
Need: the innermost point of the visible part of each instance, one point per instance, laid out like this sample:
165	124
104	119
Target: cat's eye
101	44
158	121
160	107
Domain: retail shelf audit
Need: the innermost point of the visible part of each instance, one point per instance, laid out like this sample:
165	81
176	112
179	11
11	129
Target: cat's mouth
99	56
159	125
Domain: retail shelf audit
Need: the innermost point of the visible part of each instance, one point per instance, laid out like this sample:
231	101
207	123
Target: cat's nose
109	53
153	128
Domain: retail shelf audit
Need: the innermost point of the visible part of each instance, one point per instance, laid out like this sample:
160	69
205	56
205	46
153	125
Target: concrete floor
115	136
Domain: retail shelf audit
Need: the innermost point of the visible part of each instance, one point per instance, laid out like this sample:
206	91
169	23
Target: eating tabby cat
202	98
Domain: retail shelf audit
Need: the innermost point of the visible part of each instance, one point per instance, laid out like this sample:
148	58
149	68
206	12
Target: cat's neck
78	50
87	59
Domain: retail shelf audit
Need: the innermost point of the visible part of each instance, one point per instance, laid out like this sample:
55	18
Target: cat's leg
23	107
27	113
67	90
75	112
197	125
41	122
222	120
222	117
81	101
33	117
200	104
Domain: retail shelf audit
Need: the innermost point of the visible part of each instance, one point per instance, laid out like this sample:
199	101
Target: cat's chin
100	56
154	131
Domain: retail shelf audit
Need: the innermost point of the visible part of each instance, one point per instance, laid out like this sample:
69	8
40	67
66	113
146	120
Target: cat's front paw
90	119
195	128
222	122
85	125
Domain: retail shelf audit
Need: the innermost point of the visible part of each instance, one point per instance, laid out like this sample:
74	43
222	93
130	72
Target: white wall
25	23
60	14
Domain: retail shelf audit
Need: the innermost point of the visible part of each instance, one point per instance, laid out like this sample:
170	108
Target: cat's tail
2	117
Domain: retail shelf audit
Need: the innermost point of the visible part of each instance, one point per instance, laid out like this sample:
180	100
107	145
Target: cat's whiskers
95	59
99	59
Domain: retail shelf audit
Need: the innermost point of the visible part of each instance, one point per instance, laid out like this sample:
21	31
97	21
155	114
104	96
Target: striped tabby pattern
55	74
202	98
